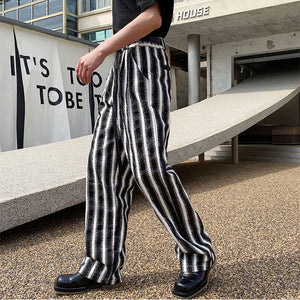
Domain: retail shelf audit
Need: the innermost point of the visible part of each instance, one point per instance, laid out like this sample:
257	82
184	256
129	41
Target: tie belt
154	41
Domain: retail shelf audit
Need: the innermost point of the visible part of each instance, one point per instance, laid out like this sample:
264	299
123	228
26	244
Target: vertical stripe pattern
129	148
92	105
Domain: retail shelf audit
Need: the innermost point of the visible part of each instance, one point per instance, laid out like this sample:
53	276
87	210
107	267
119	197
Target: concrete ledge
204	125
38	181
41	180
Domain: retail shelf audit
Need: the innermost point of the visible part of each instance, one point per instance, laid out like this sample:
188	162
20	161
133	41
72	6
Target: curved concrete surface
41	180
38	181
204	125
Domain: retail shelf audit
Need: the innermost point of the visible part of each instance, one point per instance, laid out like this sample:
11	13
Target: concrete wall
180	88
95	20
222	56
174	104
220	8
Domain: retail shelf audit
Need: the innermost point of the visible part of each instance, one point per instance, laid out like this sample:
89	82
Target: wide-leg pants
129	148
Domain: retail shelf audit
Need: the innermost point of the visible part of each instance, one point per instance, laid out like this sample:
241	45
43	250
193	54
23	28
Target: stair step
257	153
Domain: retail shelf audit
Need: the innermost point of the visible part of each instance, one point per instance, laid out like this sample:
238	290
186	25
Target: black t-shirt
124	11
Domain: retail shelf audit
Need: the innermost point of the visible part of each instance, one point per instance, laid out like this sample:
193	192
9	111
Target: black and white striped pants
129	147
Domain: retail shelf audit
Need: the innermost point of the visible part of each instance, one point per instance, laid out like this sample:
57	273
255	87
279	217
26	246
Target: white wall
51	104
180	89
222	56
95	20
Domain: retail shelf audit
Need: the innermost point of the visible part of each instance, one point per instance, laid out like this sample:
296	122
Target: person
129	148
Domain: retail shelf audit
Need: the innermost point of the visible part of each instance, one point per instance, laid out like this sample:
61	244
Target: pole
193	68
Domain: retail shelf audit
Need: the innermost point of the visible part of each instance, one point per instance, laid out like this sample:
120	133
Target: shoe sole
66	291
193	295
196	293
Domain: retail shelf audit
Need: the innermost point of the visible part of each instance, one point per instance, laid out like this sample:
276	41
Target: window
71	23
71	32
10	4
11	15
102	3
89	5
98	36
55	6
39	10
21	2
25	13
72	6
50	23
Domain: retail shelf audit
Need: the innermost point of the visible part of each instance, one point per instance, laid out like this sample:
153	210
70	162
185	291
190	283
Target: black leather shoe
76	283
189	285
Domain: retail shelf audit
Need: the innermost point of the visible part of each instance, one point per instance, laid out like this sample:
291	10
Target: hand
141	26
88	63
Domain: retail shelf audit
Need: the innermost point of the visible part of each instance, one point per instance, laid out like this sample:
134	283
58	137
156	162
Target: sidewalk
250	210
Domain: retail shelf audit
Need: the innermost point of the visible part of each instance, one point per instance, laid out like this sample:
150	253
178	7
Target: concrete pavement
250	210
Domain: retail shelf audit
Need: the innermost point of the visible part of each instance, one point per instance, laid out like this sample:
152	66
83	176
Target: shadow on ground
264	278
250	211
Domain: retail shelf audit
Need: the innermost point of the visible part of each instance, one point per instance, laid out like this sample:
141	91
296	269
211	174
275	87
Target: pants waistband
153	41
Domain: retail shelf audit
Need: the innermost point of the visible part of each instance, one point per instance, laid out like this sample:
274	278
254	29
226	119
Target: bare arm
142	25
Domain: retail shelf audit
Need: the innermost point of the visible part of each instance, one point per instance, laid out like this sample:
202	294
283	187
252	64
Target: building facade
57	15
234	40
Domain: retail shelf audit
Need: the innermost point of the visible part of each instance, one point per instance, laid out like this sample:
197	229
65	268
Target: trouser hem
194	262
199	264
99	272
